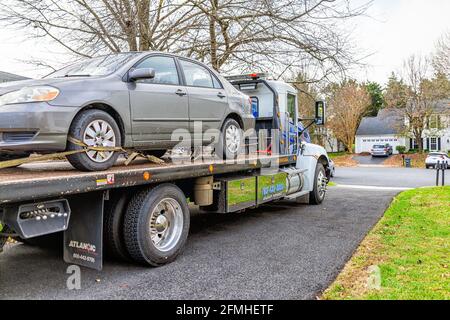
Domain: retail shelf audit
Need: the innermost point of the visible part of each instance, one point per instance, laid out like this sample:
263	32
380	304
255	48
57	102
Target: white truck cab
275	107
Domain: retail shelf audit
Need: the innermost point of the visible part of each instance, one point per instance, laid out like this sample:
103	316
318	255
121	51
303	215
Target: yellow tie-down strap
131	155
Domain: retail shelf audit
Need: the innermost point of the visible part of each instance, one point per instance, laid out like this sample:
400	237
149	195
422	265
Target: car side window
196	75
165	70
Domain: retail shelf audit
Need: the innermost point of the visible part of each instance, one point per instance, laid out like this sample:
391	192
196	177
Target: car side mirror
320	113
141	74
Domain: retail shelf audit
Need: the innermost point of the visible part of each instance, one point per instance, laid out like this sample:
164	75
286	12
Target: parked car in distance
134	100
390	149
380	150
434	157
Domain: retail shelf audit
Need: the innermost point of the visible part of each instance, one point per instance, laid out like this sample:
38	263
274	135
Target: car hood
17	85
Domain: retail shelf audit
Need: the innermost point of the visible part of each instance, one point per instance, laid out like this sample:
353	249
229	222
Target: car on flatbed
135	100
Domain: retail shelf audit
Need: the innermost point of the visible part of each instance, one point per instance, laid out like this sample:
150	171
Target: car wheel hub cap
99	133
233	139
166	224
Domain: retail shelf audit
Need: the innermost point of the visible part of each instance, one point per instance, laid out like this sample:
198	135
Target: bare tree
347	104
274	35
441	59
91	27
422	95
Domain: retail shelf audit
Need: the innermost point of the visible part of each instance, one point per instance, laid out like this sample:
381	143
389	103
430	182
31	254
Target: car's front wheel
94	128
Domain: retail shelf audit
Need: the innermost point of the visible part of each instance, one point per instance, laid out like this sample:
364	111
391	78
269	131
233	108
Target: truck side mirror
320	113
141	74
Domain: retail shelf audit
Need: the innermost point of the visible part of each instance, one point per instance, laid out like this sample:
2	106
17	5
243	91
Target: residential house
388	128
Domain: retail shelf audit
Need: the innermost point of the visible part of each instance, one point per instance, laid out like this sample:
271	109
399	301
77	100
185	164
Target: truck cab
274	106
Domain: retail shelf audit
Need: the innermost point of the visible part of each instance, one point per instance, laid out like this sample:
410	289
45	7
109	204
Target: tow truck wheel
156	225
113	238
317	196
94	128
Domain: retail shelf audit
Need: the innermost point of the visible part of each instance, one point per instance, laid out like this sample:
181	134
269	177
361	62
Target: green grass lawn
410	247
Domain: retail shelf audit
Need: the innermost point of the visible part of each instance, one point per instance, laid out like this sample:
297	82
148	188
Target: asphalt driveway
279	251
369	160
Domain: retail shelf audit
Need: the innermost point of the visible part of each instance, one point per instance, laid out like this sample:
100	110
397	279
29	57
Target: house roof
7	77
443	106
387	122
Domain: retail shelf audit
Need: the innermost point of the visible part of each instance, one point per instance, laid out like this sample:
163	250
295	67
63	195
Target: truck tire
113	239
156	225
94	128
230	141
317	196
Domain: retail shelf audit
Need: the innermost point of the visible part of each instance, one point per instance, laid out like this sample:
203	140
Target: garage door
365	144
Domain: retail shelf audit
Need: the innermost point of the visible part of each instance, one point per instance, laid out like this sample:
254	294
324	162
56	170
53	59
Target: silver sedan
139	100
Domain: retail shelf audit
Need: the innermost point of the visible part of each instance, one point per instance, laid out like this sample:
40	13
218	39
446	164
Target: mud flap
83	240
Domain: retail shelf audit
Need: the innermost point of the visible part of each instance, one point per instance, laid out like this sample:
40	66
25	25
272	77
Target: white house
388	126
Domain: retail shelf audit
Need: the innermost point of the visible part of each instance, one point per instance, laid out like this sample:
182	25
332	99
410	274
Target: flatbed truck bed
52	179
99	209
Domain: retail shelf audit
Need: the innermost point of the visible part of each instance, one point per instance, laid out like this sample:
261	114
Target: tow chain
131	155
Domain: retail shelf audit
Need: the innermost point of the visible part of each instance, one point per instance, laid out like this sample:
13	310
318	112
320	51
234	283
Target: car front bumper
34	127
380	154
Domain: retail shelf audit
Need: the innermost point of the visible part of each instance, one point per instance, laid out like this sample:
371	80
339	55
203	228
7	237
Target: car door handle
221	95
181	93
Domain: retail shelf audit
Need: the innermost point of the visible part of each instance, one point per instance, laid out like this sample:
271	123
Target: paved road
279	251
387	177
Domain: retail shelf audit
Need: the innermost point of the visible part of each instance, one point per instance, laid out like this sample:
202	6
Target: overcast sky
395	30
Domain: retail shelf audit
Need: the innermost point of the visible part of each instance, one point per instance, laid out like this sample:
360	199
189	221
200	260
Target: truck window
255	106
291	105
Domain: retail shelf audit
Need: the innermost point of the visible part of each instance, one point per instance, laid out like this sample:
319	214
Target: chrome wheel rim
233	139
99	133
166	224
321	184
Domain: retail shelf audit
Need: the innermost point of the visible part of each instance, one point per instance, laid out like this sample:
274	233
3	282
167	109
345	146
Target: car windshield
436	154
100	66
378	147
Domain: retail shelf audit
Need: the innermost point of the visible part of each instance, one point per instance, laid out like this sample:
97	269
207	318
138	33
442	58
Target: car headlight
30	94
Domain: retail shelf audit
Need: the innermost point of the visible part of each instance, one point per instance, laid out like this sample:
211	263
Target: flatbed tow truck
141	212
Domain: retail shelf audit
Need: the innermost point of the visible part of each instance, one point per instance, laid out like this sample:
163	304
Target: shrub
401	149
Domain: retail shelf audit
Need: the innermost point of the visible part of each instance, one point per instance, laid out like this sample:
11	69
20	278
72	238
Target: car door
208	101
159	105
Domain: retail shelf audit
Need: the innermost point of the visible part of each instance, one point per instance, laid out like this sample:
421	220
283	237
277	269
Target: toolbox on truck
236	193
